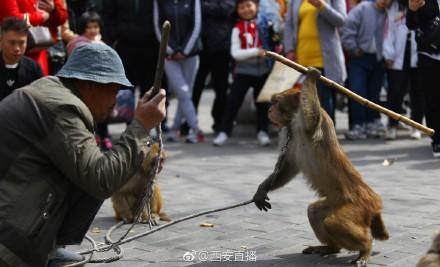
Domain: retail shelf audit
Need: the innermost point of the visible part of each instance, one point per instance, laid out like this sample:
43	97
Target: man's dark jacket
130	22
218	21
185	17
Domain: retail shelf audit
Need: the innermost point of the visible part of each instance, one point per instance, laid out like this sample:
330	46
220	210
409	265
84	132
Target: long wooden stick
166	27
352	95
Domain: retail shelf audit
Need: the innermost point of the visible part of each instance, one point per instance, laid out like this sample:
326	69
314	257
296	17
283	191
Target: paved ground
198	177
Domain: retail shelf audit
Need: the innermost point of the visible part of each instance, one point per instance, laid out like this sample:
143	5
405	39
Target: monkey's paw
154	219
261	200
321	250
360	262
127	217
313	73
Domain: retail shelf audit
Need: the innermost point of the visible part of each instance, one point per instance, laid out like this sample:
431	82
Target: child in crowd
362	38
250	37
89	31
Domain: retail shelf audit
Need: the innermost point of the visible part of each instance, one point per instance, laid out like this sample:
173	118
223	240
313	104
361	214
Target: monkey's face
148	162
283	107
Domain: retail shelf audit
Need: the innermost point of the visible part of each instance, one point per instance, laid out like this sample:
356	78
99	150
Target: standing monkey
347	215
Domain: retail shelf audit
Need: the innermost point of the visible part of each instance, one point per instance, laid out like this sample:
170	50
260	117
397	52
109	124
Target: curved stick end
166	25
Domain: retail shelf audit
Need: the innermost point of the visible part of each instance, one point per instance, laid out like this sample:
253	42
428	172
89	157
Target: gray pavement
197	177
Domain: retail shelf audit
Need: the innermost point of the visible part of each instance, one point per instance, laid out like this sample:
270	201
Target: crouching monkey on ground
125	201
348	213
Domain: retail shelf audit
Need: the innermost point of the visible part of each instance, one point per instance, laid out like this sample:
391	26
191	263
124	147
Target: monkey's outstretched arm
309	103
285	170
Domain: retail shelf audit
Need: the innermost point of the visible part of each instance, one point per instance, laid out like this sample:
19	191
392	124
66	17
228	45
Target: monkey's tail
378	229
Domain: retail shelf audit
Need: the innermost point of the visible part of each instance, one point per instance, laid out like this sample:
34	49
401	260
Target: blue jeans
365	78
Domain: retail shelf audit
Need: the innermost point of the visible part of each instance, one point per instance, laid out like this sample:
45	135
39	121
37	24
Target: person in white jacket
400	53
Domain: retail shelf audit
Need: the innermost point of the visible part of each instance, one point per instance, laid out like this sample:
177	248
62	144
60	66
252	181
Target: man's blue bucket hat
95	62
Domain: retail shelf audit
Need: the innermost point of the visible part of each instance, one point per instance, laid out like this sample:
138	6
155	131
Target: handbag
39	37
57	55
429	40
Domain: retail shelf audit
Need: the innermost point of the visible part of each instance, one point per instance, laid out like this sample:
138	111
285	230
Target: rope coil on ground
116	245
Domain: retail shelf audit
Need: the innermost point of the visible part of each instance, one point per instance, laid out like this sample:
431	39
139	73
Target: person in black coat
421	15
128	26
16	70
218	21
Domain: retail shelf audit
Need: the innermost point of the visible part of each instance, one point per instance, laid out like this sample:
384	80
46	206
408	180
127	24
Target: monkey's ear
292	99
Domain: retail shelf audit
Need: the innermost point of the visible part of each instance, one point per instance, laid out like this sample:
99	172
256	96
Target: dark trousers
365	78
238	91
399	81
216	64
327	97
429	70
139	63
81	212
416	97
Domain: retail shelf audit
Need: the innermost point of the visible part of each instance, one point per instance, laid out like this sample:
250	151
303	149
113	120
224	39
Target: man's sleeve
191	41
59	15
290	33
334	15
350	30
73	150
10	8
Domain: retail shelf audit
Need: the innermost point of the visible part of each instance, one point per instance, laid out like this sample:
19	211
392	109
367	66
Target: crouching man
53	177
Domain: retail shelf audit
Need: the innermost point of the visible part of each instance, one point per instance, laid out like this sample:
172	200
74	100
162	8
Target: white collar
11	66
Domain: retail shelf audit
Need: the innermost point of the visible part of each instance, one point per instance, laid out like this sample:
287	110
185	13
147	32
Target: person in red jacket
51	13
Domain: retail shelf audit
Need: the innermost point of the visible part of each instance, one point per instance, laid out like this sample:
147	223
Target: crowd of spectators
375	48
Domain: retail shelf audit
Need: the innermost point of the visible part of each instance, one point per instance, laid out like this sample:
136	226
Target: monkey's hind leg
348	231
122	207
317	213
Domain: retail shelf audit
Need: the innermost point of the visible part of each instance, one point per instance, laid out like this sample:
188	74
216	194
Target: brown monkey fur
432	257
125	201
348	213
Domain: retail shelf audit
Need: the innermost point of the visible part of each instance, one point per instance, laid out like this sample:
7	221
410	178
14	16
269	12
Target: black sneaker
436	150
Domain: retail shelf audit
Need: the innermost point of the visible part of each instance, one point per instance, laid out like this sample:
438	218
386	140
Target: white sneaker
375	129
263	138
391	133
416	134
357	133
221	139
